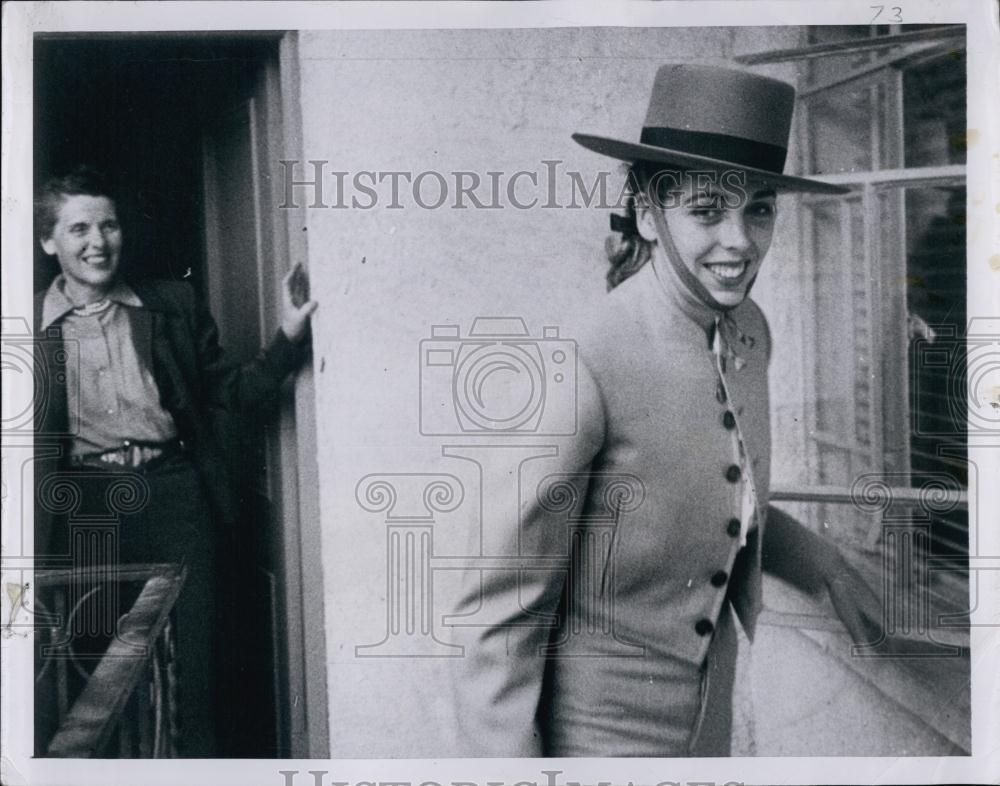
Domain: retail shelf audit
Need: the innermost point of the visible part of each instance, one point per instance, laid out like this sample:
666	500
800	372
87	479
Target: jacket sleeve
249	388
499	682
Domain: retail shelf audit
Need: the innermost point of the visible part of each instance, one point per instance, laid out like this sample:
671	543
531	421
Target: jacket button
703	627
732	473
733	527
720	393
719	578
729	420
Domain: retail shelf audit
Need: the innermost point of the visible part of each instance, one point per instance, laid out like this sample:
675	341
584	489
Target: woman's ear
645	223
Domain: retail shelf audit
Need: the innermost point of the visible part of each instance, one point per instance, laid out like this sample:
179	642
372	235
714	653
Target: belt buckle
131	455
147	454
116	456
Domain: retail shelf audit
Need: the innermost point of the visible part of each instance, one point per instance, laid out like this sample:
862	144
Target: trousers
174	525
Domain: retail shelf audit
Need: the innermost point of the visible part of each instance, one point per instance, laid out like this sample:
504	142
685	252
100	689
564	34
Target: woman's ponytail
627	250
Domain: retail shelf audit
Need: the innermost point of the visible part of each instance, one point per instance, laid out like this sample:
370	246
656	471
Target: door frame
292	476
307	711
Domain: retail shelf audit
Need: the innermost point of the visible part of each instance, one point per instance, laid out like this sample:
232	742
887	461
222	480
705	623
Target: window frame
871	186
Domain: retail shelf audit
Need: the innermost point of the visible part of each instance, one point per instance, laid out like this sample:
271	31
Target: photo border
22	20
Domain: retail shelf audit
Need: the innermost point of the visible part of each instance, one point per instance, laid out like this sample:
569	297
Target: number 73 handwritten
897	13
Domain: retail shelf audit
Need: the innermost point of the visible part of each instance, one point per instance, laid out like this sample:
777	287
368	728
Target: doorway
184	124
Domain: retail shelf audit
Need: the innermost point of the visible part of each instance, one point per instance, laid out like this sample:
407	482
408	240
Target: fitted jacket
637	516
176	334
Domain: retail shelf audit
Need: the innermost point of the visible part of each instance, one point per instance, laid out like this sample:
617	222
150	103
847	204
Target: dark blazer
644	594
174	332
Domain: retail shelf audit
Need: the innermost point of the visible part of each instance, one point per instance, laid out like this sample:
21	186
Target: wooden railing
126	705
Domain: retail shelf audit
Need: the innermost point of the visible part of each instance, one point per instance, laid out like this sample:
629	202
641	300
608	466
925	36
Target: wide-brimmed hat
707	117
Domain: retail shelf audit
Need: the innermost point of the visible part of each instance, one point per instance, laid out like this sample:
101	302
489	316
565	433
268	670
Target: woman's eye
761	210
706	213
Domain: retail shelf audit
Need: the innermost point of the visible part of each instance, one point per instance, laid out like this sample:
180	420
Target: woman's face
721	231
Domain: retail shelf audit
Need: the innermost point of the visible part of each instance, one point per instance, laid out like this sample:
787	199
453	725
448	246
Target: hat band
739	151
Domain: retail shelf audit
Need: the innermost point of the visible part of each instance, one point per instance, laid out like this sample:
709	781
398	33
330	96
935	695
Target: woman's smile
722	235
728	273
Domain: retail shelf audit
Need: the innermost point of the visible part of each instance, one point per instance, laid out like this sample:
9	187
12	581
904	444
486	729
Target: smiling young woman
86	238
722	241
673	399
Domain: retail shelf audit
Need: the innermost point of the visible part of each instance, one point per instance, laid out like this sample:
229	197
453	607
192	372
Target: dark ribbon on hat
734	149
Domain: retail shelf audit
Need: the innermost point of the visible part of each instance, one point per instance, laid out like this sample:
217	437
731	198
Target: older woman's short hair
82	180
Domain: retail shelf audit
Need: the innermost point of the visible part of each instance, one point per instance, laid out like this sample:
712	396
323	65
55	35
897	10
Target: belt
131	455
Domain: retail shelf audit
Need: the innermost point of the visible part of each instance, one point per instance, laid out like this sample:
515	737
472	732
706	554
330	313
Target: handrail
91	721
894	494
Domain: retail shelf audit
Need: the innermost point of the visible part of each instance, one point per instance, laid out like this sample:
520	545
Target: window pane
935	301
833	403
843	324
861	329
824	68
834	466
890	122
841	125
889	344
922	243
934	111
910	113
891	264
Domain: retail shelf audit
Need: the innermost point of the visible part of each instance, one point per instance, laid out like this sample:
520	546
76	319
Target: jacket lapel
153	333
50	357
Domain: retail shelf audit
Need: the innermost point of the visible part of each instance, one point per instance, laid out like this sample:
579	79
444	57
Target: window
883	110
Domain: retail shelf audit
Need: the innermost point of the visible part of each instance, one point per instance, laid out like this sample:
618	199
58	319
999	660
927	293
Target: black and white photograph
505	393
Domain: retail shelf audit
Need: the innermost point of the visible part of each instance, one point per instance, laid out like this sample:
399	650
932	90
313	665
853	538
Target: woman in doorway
673	446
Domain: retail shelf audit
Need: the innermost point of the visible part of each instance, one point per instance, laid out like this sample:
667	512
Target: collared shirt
118	398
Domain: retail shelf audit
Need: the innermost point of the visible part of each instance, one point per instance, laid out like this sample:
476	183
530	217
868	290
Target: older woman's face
722	233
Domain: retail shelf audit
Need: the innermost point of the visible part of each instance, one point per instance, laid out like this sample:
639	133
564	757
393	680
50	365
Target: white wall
439	100
477	101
